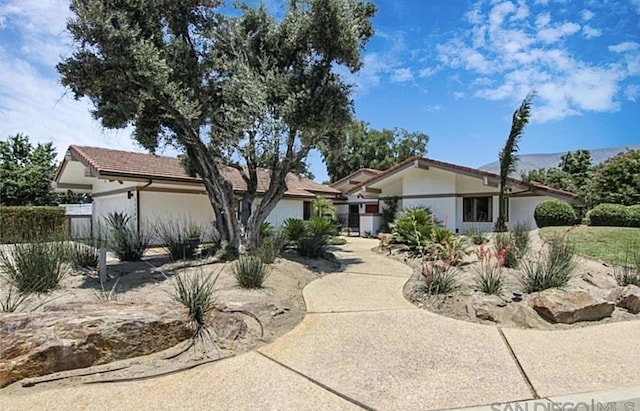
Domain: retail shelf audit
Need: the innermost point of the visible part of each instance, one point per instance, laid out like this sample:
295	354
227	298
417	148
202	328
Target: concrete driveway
363	346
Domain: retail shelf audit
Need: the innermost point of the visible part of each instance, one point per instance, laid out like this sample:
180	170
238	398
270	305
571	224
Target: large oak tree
244	90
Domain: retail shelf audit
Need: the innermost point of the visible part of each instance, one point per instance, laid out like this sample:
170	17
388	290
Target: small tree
26	172
508	156
617	180
323	207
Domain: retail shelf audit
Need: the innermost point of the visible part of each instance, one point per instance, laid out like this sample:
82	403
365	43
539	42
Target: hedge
554	213
615	215
19	224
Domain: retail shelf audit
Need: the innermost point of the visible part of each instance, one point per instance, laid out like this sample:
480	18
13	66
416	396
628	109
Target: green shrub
614	215
294	228
250	272
21	224
271	247
552	270
521	239
439	278
34	267
338	241
445	246
266	230
634	215
554	213
196	291
477	236
388	213
313	245
414	227
81	255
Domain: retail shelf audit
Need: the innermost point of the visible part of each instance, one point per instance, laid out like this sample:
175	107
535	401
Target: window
371	209
306	210
477	210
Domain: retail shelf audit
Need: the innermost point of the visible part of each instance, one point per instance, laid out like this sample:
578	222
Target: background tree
508	155
364	147
617	180
26	172
573	174
243	91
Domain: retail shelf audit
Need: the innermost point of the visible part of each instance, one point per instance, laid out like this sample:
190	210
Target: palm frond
508	156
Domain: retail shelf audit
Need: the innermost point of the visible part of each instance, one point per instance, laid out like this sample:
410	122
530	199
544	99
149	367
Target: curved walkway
363	346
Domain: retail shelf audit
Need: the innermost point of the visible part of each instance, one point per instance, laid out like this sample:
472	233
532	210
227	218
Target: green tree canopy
365	147
245	90
617	180
573	174
26	172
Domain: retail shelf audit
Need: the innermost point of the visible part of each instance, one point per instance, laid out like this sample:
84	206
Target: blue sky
452	69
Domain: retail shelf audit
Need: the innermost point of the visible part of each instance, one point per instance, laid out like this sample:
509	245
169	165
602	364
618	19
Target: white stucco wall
286	208
522	209
183	207
369	223
104	205
416	181
100	186
443	208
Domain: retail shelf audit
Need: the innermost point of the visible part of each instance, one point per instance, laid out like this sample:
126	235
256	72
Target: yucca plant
35	267
476	235
439	277
250	272
12	299
628	273
520	233
83	255
553	269
196	291
270	247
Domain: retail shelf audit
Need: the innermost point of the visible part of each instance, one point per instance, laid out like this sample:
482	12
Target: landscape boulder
488	308
603	281
78	335
568	307
627	297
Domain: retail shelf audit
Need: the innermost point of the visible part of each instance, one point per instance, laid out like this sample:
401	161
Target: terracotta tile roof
454	167
125	164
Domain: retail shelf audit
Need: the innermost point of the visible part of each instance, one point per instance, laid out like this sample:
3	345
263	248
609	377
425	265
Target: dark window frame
479	212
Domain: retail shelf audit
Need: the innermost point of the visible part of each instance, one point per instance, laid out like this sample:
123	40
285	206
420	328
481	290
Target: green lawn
605	243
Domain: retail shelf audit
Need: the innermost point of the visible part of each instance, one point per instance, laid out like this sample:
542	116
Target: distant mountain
535	161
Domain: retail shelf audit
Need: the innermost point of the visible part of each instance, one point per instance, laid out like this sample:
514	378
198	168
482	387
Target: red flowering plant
489	279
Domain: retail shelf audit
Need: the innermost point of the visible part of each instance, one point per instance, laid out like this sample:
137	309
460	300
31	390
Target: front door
354	217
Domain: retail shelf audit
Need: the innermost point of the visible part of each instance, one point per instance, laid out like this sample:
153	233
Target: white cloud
587	15
553	34
458	95
433	108
590	32
428	72
519	55
624	47
31	99
543	19
402	75
632	92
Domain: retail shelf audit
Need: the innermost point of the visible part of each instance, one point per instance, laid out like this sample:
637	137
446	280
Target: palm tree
508	156
323	207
